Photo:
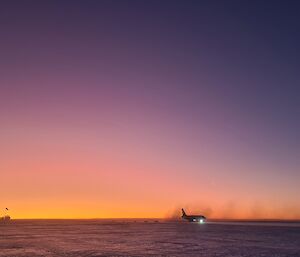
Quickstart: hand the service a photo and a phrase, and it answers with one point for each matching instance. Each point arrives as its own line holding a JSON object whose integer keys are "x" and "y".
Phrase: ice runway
{"x": 74, "y": 238}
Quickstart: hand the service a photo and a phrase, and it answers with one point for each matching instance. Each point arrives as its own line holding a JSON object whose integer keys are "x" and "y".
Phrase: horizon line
{"x": 169, "y": 219}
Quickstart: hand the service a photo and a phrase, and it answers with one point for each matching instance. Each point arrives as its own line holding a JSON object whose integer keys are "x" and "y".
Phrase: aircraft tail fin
{"x": 183, "y": 212}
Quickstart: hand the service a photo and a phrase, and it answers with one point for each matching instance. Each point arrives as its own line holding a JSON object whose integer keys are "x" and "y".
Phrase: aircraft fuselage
{"x": 193, "y": 218}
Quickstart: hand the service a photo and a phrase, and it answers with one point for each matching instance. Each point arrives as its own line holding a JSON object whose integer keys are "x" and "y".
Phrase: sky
{"x": 114, "y": 109}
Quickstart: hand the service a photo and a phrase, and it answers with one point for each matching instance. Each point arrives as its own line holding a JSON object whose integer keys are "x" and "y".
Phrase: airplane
{"x": 193, "y": 218}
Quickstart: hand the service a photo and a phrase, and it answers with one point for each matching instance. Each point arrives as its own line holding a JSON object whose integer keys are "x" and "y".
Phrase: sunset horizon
{"x": 149, "y": 128}
{"x": 138, "y": 109}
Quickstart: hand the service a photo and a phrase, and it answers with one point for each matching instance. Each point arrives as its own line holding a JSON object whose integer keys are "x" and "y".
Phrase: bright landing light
{"x": 201, "y": 221}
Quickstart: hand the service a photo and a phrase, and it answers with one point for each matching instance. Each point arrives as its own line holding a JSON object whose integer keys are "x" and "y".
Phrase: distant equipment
{"x": 5, "y": 217}
{"x": 193, "y": 218}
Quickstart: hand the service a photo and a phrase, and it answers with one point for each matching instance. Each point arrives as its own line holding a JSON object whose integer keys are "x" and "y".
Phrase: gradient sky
{"x": 137, "y": 108}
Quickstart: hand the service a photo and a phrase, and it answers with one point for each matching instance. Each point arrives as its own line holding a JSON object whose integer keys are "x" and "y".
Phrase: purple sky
{"x": 150, "y": 98}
